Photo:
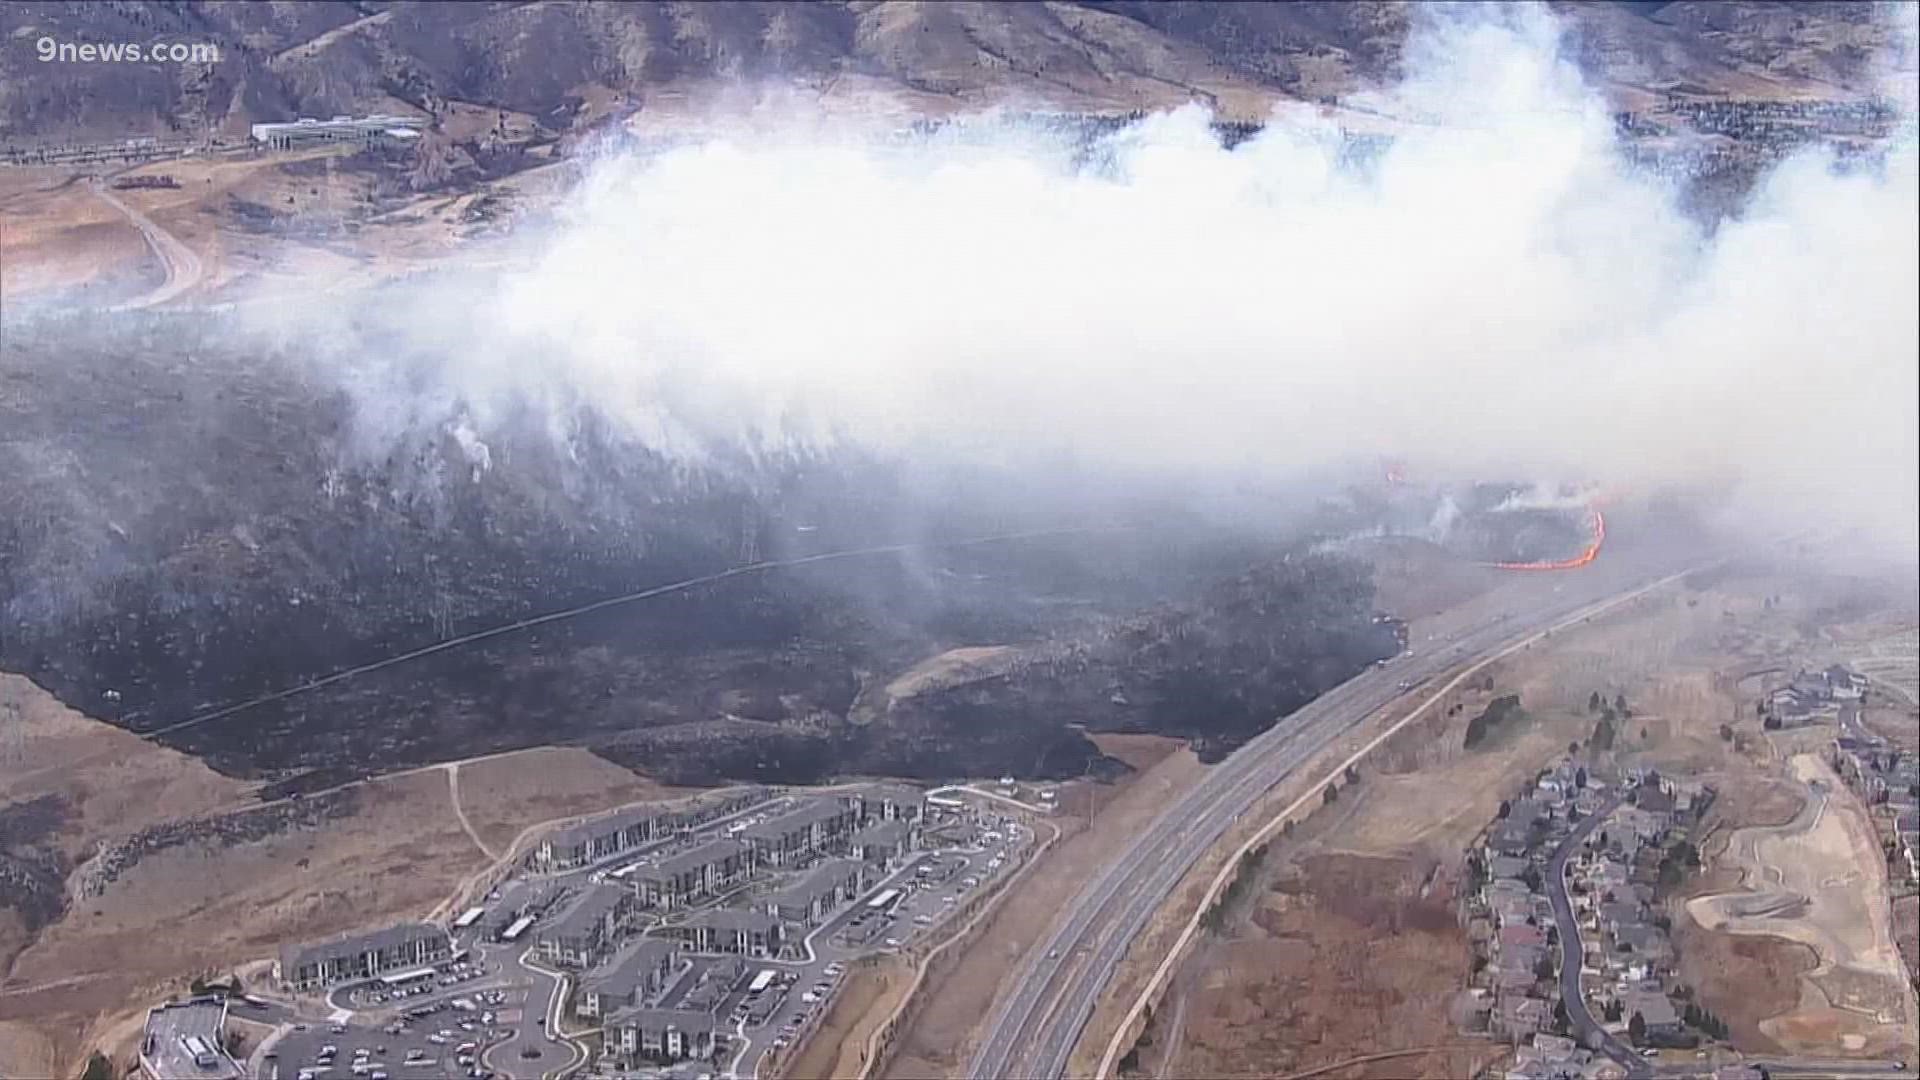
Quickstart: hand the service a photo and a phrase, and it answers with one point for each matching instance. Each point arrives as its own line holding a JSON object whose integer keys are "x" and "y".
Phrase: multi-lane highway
{"x": 1035, "y": 1029}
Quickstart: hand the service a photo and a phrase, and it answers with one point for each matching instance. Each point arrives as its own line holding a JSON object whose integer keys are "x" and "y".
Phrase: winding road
{"x": 1573, "y": 954}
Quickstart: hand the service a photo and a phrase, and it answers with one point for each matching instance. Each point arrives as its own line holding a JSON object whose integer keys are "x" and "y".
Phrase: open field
{"x": 504, "y": 795}
{"x": 1819, "y": 881}
{"x": 1893, "y": 661}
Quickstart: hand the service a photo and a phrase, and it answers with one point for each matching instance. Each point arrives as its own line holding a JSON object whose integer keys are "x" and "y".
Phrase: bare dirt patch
{"x": 504, "y": 795}
{"x": 838, "y": 1048}
{"x": 1819, "y": 881}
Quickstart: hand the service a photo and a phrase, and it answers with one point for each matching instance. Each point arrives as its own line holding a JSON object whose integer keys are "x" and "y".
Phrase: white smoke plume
{"x": 1499, "y": 295}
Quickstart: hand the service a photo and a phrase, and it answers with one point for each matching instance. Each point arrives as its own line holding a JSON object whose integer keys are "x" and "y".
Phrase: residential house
{"x": 1519, "y": 1018}
{"x": 1642, "y": 941}
{"x": 1656, "y": 1011}
{"x": 1507, "y": 866}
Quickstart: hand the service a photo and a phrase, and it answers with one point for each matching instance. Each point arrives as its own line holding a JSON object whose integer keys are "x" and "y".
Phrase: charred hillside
{"x": 188, "y": 526}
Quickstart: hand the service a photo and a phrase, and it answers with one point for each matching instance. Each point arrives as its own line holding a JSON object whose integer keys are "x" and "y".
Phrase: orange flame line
{"x": 1591, "y": 552}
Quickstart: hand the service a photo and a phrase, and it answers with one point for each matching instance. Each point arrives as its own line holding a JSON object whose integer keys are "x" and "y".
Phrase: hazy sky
{"x": 1499, "y": 296}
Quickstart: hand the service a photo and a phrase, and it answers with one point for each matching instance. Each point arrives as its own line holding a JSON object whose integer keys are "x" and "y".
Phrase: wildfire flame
{"x": 1597, "y": 522}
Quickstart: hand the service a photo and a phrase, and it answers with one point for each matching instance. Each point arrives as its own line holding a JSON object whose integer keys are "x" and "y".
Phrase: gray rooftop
{"x": 829, "y": 878}
{"x": 294, "y": 955}
{"x": 606, "y": 824}
{"x": 810, "y": 813}
{"x": 1654, "y": 1009}
{"x": 734, "y": 919}
{"x": 629, "y": 967}
{"x": 168, "y": 1026}
{"x": 690, "y": 1021}
{"x": 694, "y": 858}
{"x": 588, "y": 910}
{"x": 884, "y": 832}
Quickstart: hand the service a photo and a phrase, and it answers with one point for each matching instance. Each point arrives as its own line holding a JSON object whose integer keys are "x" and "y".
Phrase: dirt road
{"x": 183, "y": 268}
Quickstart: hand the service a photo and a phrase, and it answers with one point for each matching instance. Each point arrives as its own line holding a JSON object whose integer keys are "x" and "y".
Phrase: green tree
{"x": 1593, "y": 701}
{"x": 98, "y": 1067}
{"x": 1332, "y": 795}
{"x": 1620, "y": 704}
{"x": 1637, "y": 1028}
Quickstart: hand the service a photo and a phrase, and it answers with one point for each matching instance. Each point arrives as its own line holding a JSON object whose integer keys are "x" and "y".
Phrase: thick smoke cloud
{"x": 1497, "y": 295}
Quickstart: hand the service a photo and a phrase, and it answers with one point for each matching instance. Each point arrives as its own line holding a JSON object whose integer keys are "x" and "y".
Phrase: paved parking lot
{"x": 441, "y": 1040}
{"x": 451, "y": 980}
{"x": 928, "y": 897}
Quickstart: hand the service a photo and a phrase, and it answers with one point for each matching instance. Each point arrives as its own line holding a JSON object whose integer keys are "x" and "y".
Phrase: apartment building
{"x": 884, "y": 843}
{"x": 660, "y": 1034}
{"x": 631, "y": 977}
{"x": 603, "y": 837}
{"x": 815, "y": 827}
{"x": 361, "y": 956}
{"x": 586, "y": 929}
{"x": 891, "y": 802}
{"x": 692, "y": 875}
{"x": 812, "y": 900}
{"x": 741, "y": 933}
